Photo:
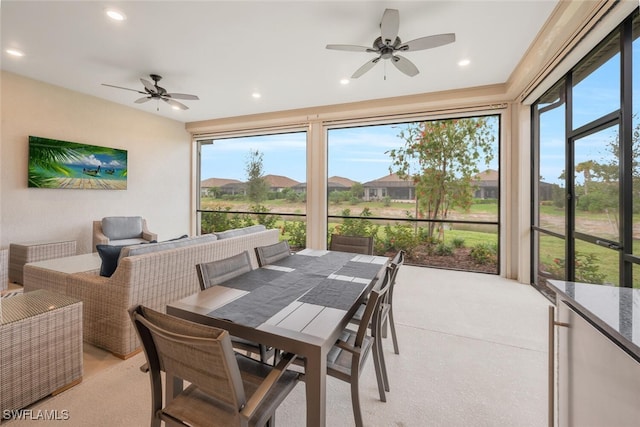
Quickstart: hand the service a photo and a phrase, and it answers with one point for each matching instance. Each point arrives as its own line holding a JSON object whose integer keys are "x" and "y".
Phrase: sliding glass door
{"x": 586, "y": 158}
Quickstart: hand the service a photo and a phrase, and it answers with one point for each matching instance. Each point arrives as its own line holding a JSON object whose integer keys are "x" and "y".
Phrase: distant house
{"x": 486, "y": 184}
{"x": 334, "y": 183}
{"x": 279, "y": 182}
{"x": 224, "y": 186}
{"x": 390, "y": 186}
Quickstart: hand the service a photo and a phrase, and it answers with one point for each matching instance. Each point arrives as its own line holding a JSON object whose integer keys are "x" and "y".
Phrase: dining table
{"x": 299, "y": 304}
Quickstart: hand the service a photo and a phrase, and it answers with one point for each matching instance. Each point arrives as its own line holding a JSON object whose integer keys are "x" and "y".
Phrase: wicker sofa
{"x": 152, "y": 279}
{"x": 4, "y": 269}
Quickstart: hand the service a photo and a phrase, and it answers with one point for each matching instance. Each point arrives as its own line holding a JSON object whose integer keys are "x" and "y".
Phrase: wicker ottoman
{"x": 22, "y": 253}
{"x": 40, "y": 347}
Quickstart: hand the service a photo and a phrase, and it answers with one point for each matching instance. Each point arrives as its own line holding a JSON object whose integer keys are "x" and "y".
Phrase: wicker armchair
{"x": 121, "y": 230}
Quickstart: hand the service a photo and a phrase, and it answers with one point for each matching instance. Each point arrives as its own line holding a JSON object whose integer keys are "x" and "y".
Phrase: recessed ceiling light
{"x": 344, "y": 81}
{"x": 116, "y": 15}
{"x": 14, "y": 52}
{"x": 256, "y": 95}
{"x": 175, "y": 108}
{"x": 464, "y": 62}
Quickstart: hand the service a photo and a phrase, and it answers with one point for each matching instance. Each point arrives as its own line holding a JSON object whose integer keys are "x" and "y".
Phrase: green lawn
{"x": 598, "y": 263}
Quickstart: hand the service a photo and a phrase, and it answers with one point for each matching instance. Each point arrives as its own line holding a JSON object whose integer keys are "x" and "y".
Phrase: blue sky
{"x": 357, "y": 153}
{"x": 595, "y": 96}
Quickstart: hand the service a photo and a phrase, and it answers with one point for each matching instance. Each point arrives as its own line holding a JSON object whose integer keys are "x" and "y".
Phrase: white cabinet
{"x": 597, "y": 382}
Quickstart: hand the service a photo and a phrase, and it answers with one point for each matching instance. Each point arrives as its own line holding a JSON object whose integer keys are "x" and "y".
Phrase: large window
{"x": 428, "y": 187}
{"x": 586, "y": 168}
{"x": 254, "y": 180}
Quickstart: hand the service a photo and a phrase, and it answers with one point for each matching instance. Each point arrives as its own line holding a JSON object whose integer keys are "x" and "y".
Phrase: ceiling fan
{"x": 388, "y": 44}
{"x": 153, "y": 91}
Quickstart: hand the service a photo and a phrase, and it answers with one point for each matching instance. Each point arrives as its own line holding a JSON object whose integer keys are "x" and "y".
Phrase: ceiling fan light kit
{"x": 153, "y": 91}
{"x": 388, "y": 44}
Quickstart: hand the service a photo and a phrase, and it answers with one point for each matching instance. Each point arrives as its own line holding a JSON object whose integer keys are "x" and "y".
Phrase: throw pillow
{"x": 109, "y": 256}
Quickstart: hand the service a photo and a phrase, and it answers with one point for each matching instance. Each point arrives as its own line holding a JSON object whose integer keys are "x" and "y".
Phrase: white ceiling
{"x": 223, "y": 51}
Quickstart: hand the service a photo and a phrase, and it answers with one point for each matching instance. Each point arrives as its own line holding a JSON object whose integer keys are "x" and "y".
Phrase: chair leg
{"x": 383, "y": 332}
{"x": 263, "y": 353}
{"x": 383, "y": 366}
{"x": 378, "y": 354}
{"x": 276, "y": 356}
{"x": 380, "y": 375}
{"x": 393, "y": 331}
{"x": 355, "y": 397}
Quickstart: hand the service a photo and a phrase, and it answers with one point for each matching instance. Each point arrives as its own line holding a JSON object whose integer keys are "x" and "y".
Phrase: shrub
{"x": 268, "y": 221}
{"x": 296, "y": 233}
{"x": 458, "y": 242}
{"x": 357, "y": 226}
{"x": 219, "y": 220}
{"x": 400, "y": 236}
{"x": 443, "y": 249}
{"x": 485, "y": 253}
{"x": 586, "y": 268}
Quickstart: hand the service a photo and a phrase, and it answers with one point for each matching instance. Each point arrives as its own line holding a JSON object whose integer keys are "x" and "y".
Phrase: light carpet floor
{"x": 472, "y": 353}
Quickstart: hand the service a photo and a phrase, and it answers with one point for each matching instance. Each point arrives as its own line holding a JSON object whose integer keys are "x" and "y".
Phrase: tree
{"x": 257, "y": 187}
{"x": 442, "y": 157}
{"x": 357, "y": 190}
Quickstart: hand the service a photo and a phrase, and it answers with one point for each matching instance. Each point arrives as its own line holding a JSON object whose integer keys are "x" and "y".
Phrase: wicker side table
{"x": 40, "y": 347}
{"x": 22, "y": 253}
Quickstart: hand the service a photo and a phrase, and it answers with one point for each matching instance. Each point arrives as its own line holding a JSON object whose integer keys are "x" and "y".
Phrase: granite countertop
{"x": 615, "y": 310}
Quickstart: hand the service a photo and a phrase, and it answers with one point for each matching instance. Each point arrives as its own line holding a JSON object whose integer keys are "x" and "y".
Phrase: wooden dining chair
{"x": 386, "y": 313}
{"x": 387, "y": 306}
{"x": 216, "y": 273}
{"x": 226, "y": 388}
{"x": 271, "y": 253}
{"x": 346, "y": 359}
{"x": 355, "y": 244}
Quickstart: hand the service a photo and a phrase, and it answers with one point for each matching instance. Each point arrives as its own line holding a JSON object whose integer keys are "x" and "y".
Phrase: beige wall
{"x": 159, "y": 159}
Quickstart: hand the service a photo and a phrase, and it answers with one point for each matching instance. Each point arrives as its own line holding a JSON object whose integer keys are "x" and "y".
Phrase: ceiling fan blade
{"x": 350, "y": 48}
{"x": 175, "y": 103}
{"x": 389, "y": 25}
{"x": 428, "y": 42}
{"x": 142, "y": 100}
{"x": 150, "y": 86}
{"x": 404, "y": 65}
{"x": 182, "y": 96}
{"x": 366, "y": 67}
{"x": 125, "y": 88}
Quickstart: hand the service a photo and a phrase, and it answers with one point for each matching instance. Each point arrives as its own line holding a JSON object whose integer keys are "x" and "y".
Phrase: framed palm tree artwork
{"x": 71, "y": 165}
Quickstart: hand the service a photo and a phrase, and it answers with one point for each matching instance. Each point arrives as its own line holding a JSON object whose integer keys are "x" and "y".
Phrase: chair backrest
{"x": 372, "y": 310}
{"x": 355, "y": 244}
{"x": 200, "y": 354}
{"x": 272, "y": 253}
{"x": 216, "y": 272}
{"x": 395, "y": 265}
